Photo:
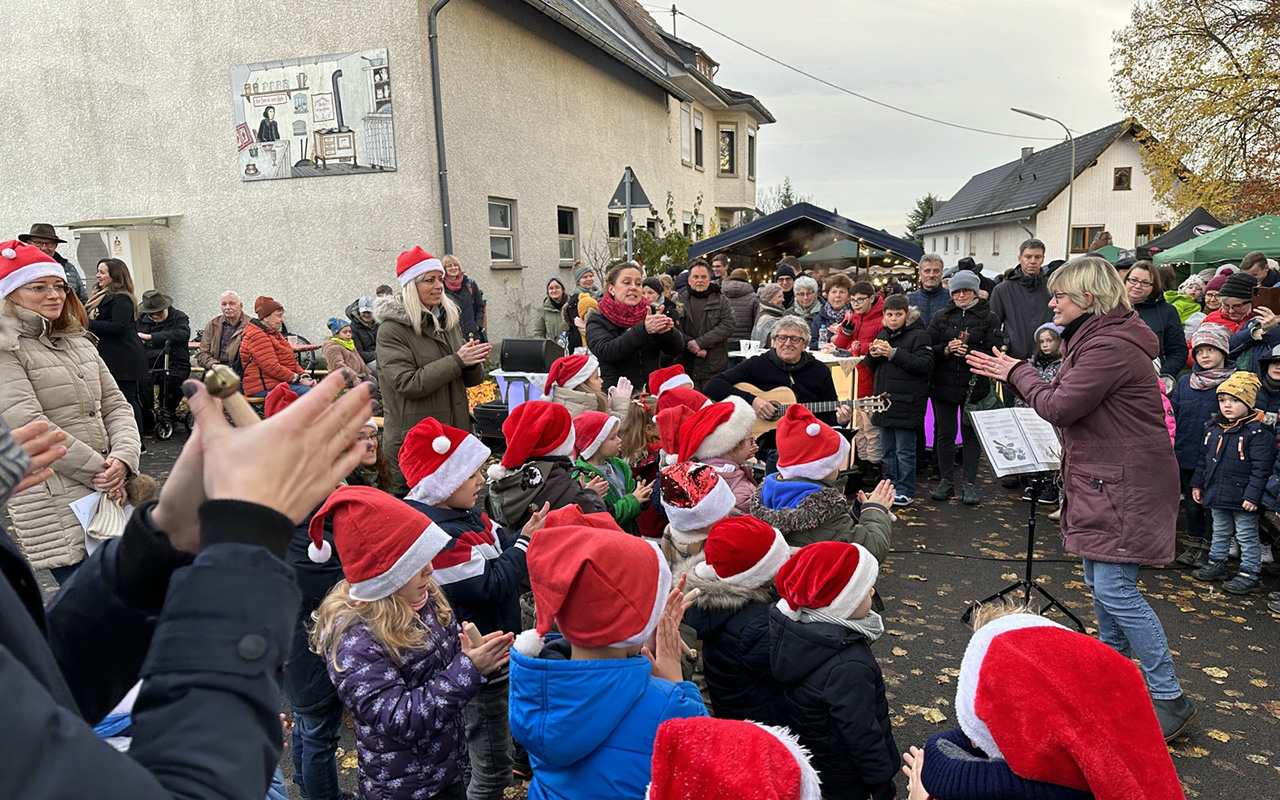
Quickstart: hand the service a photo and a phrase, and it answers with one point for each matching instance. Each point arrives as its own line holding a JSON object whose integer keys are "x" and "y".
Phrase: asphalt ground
{"x": 948, "y": 555}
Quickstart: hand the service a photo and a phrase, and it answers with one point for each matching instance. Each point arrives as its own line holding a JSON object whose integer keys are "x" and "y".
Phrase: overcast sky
{"x": 965, "y": 62}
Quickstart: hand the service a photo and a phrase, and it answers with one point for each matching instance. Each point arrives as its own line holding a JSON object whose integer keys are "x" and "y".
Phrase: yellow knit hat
{"x": 1241, "y": 385}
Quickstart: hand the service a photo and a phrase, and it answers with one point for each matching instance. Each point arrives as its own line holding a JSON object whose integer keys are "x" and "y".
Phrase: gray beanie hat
{"x": 579, "y": 272}
{"x": 964, "y": 279}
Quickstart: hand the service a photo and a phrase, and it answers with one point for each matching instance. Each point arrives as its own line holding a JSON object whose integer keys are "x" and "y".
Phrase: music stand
{"x": 1026, "y": 585}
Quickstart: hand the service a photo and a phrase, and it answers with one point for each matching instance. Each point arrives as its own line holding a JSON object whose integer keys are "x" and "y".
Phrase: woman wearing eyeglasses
{"x": 50, "y": 371}
{"x": 1143, "y": 286}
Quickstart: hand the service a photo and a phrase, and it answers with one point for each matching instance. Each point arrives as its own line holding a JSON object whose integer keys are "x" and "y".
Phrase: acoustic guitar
{"x": 782, "y": 397}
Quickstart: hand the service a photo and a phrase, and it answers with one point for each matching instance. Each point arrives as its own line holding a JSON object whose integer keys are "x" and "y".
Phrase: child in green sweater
{"x": 597, "y": 444}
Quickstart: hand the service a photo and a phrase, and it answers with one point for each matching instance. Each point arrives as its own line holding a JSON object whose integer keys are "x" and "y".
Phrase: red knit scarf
{"x": 622, "y": 314}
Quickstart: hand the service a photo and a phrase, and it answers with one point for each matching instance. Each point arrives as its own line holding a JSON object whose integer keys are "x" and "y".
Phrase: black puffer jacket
{"x": 742, "y": 297}
{"x": 733, "y": 623}
{"x": 904, "y": 375}
{"x": 365, "y": 335}
{"x": 1162, "y": 318}
{"x": 836, "y": 704}
{"x": 951, "y": 373}
{"x": 630, "y": 353}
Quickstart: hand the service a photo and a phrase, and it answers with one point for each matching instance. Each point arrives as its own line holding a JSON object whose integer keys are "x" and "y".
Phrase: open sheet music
{"x": 1017, "y": 440}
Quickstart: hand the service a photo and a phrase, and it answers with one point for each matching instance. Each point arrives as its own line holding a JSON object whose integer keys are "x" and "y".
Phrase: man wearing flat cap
{"x": 163, "y": 329}
{"x": 43, "y": 236}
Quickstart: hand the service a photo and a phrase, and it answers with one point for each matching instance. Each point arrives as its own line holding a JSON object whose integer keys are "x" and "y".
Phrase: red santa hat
{"x": 536, "y": 428}
{"x": 415, "y": 263}
{"x": 600, "y": 586}
{"x": 703, "y": 758}
{"x": 570, "y": 372}
{"x": 668, "y": 378}
{"x": 833, "y": 577}
{"x": 669, "y": 422}
{"x": 682, "y": 396}
{"x": 278, "y": 399}
{"x": 1063, "y": 708}
{"x": 436, "y": 459}
{"x": 808, "y": 447}
{"x": 744, "y": 551}
{"x": 381, "y": 541}
{"x": 590, "y": 430}
{"x": 714, "y": 430}
{"x": 21, "y": 264}
{"x": 695, "y": 497}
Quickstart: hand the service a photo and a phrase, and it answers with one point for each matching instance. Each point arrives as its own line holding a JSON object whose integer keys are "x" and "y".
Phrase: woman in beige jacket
{"x": 50, "y": 370}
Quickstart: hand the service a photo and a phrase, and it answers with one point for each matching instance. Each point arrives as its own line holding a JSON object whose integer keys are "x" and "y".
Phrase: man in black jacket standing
{"x": 193, "y": 600}
{"x": 1021, "y": 301}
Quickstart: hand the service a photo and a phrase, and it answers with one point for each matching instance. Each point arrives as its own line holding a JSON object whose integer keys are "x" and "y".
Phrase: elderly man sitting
{"x": 164, "y": 330}
{"x": 221, "y": 338}
{"x": 788, "y": 365}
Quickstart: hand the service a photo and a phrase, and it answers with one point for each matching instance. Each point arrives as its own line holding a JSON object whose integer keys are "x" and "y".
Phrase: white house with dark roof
{"x": 998, "y": 209}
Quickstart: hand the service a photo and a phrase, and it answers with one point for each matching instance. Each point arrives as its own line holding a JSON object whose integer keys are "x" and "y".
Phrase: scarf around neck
{"x": 705, "y": 292}
{"x": 622, "y": 314}
{"x": 871, "y": 626}
{"x": 1205, "y": 379}
{"x": 454, "y": 286}
{"x": 350, "y": 344}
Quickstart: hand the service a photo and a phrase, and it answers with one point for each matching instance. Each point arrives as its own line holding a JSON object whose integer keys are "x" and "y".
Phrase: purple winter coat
{"x": 1119, "y": 475}
{"x": 408, "y": 719}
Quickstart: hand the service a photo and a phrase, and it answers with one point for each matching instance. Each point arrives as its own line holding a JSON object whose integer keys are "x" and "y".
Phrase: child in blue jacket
{"x": 1194, "y": 401}
{"x": 1239, "y": 454}
{"x": 587, "y": 705}
{"x": 481, "y": 571}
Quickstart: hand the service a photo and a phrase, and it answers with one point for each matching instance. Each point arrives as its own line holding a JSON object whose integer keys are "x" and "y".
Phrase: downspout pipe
{"x": 433, "y": 35}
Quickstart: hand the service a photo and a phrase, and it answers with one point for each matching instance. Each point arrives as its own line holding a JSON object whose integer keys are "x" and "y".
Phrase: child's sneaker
{"x": 1267, "y": 557}
{"x": 1212, "y": 571}
{"x": 1273, "y": 602}
{"x": 902, "y": 500}
{"x": 1195, "y": 554}
{"x": 1234, "y": 552}
{"x": 1242, "y": 583}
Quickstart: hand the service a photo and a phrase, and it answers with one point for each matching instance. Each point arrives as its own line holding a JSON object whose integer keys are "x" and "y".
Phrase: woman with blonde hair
{"x": 42, "y": 341}
{"x": 425, "y": 362}
{"x": 112, "y": 310}
{"x": 1120, "y": 479}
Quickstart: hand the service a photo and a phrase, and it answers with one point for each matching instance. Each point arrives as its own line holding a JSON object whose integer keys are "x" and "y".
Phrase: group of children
{"x": 419, "y": 638}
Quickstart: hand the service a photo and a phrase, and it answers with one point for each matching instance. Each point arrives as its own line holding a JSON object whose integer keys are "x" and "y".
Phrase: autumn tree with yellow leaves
{"x": 1203, "y": 78}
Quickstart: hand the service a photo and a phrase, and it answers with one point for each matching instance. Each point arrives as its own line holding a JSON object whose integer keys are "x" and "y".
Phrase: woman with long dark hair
{"x": 627, "y": 335}
{"x": 550, "y": 322}
{"x": 112, "y": 310}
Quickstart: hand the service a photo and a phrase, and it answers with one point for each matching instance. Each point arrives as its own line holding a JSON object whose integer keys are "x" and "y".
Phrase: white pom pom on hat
{"x": 440, "y": 444}
{"x": 319, "y": 554}
{"x": 813, "y": 429}
{"x": 9, "y": 252}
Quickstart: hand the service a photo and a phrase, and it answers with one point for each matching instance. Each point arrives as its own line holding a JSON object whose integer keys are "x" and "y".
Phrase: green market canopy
{"x": 1228, "y": 244}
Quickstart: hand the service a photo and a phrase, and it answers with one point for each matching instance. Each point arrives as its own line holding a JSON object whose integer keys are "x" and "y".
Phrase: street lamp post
{"x": 1071, "y": 172}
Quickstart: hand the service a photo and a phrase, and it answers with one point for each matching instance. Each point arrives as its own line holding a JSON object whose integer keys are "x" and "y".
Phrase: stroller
{"x": 165, "y": 420}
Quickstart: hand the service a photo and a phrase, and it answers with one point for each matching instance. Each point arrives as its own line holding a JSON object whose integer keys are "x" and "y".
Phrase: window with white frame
{"x": 567, "y": 229}
{"x": 946, "y": 240}
{"x": 751, "y": 155}
{"x": 686, "y": 142}
{"x": 728, "y": 149}
{"x": 502, "y": 230}
{"x": 697, "y": 139}
{"x": 686, "y": 220}
{"x": 995, "y": 243}
{"x": 933, "y": 248}
{"x": 973, "y": 245}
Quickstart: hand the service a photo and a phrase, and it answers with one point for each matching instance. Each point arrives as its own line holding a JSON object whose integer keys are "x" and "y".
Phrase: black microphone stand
{"x": 1026, "y": 585}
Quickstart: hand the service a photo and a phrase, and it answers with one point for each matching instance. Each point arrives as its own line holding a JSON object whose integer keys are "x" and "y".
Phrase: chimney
{"x": 1026, "y": 152}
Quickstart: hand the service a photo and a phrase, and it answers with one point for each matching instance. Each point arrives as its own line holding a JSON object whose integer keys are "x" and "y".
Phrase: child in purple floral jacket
{"x": 393, "y": 648}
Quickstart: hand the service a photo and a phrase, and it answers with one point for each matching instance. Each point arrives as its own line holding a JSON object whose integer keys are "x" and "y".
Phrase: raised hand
{"x": 537, "y": 521}
{"x": 490, "y": 656}
{"x": 598, "y": 485}
{"x": 643, "y": 491}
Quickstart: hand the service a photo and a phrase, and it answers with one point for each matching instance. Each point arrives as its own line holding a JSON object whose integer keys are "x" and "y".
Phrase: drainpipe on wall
{"x": 433, "y": 34}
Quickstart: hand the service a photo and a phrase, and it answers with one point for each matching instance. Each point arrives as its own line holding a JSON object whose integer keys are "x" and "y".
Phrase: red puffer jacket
{"x": 862, "y": 328}
{"x": 267, "y": 358}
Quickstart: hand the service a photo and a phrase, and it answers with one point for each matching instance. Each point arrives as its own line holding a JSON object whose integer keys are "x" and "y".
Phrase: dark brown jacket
{"x": 1119, "y": 475}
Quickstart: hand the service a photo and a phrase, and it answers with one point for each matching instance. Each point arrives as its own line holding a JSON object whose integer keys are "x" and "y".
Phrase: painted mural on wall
{"x": 313, "y": 116}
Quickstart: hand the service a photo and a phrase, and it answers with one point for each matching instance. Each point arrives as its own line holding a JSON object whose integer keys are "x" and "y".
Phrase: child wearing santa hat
{"x": 823, "y": 629}
{"x": 574, "y": 382}
{"x": 1023, "y": 676}
{"x": 587, "y": 704}
{"x": 694, "y": 497}
{"x": 393, "y": 647}
{"x": 719, "y": 435}
{"x": 701, "y": 758}
{"x": 536, "y": 469}
{"x": 730, "y": 616}
{"x": 642, "y": 450}
{"x": 802, "y": 499}
{"x": 598, "y": 444}
{"x": 481, "y": 570}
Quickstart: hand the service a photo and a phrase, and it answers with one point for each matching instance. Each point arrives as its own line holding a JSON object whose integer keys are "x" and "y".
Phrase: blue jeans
{"x": 489, "y": 740}
{"x": 1243, "y": 527}
{"x": 899, "y": 459}
{"x": 315, "y": 741}
{"x": 1127, "y": 624}
{"x": 297, "y": 388}
{"x": 277, "y": 790}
